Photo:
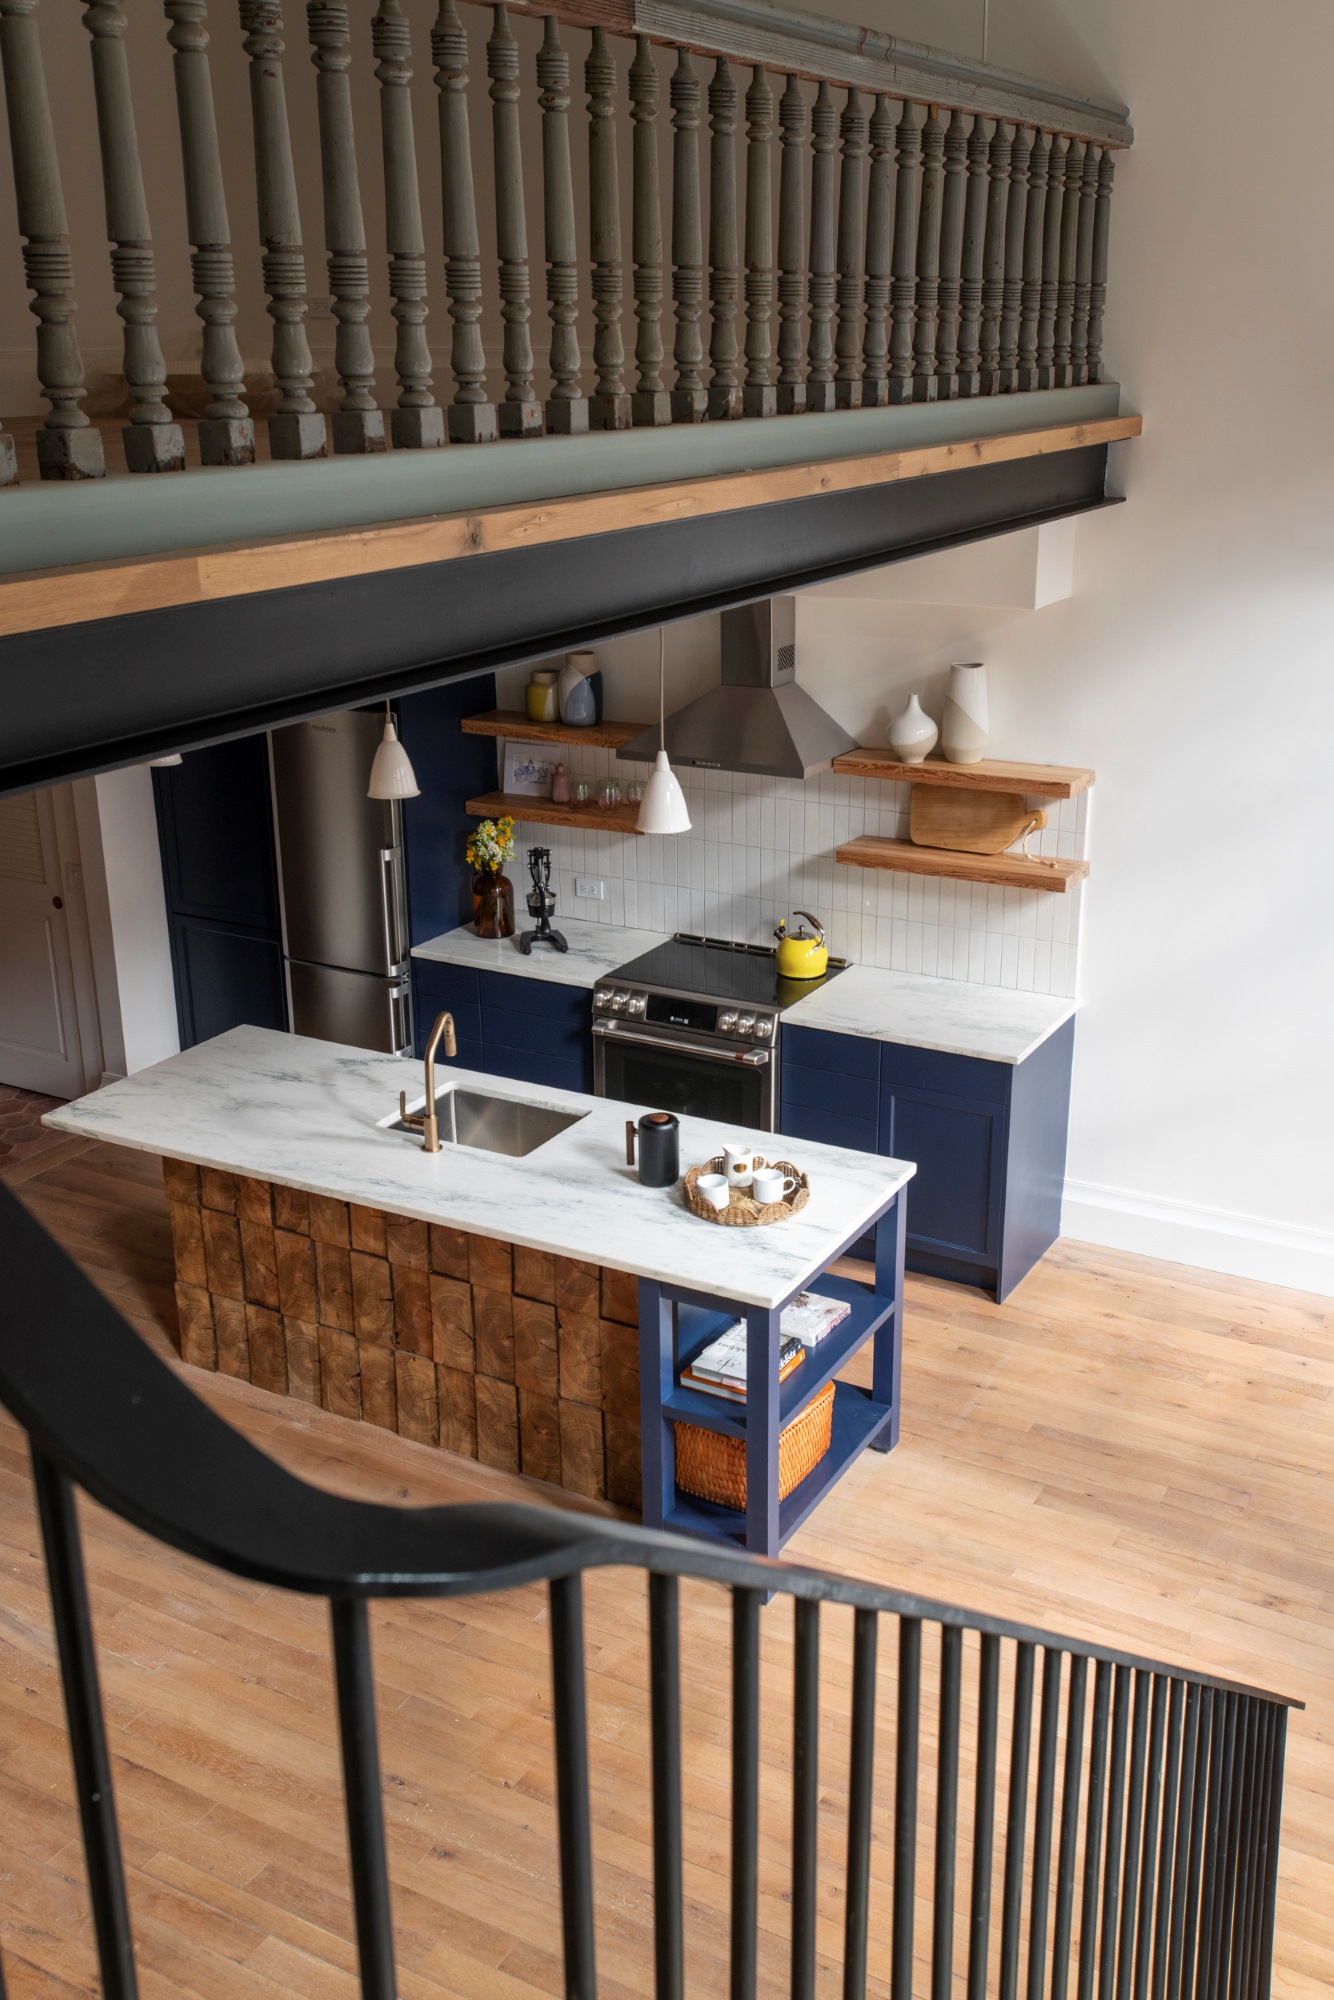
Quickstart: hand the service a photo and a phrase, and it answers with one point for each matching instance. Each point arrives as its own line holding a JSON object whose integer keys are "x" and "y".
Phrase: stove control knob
{"x": 637, "y": 1005}
{"x": 602, "y": 999}
{"x": 727, "y": 1022}
{"x": 745, "y": 1024}
{"x": 620, "y": 1000}
{"x": 764, "y": 1026}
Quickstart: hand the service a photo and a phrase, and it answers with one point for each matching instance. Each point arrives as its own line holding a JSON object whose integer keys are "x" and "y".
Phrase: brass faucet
{"x": 427, "y": 1123}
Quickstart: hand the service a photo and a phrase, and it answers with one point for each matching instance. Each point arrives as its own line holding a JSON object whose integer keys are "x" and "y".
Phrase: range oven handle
{"x": 752, "y": 1058}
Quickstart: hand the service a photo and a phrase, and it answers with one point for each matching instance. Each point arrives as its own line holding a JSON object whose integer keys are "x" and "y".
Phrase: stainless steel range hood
{"x": 759, "y": 720}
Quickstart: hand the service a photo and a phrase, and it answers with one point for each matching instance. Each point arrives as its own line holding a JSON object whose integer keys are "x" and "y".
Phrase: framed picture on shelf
{"x": 527, "y": 769}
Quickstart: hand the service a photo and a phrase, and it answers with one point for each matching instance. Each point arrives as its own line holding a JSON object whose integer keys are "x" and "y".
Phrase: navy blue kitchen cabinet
{"x": 215, "y": 832}
{"x": 988, "y": 1139}
{"x": 532, "y": 1029}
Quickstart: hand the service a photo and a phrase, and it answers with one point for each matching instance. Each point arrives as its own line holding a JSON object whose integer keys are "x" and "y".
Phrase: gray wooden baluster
{"x": 1051, "y": 264}
{"x": 610, "y": 408}
{"x": 1013, "y": 281}
{"x": 472, "y": 419}
{"x": 296, "y": 428}
{"x": 690, "y": 399}
{"x": 68, "y": 447}
{"x": 520, "y": 412}
{"x": 903, "y": 291}
{"x": 650, "y": 403}
{"x": 993, "y": 257}
{"x": 153, "y": 439}
{"x": 851, "y": 253}
{"x": 792, "y": 125}
{"x": 951, "y": 256}
{"x": 9, "y": 461}
{"x": 925, "y": 386}
{"x": 358, "y": 425}
{"x": 760, "y": 397}
{"x": 1079, "y": 331}
{"x": 1062, "y": 372}
{"x": 1030, "y": 301}
{"x": 1102, "y": 218}
{"x": 418, "y": 421}
{"x": 567, "y": 405}
{"x": 824, "y": 133}
{"x": 226, "y": 433}
{"x": 879, "y": 257}
{"x": 725, "y": 398}
{"x": 974, "y": 242}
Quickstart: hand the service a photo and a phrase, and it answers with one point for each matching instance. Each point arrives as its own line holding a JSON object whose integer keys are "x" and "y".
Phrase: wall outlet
{"x": 588, "y": 886}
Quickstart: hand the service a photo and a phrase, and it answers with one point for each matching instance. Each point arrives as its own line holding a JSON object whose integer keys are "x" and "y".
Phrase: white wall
{"x": 127, "y": 919}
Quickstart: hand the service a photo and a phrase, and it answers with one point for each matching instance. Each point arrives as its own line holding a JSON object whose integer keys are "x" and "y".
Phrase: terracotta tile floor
{"x": 22, "y": 1133}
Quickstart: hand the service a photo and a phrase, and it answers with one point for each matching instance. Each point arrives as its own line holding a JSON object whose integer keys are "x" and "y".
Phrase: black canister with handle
{"x": 659, "y": 1148}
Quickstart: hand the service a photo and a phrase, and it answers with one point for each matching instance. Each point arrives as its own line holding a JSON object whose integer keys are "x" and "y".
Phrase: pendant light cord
{"x": 662, "y": 687}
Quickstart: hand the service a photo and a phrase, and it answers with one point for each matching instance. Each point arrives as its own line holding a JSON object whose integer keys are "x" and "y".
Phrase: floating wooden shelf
{"x": 512, "y": 722}
{"x": 1047, "y": 781}
{"x": 1004, "y": 871}
{"x": 543, "y": 812}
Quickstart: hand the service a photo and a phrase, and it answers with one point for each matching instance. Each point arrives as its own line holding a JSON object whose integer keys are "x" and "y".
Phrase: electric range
{"x": 693, "y": 1027}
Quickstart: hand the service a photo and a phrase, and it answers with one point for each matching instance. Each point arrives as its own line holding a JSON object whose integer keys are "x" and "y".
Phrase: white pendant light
{"x": 663, "y": 808}
{"x": 392, "y": 775}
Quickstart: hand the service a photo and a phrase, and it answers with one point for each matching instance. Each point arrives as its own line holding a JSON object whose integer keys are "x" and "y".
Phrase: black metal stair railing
{"x": 1129, "y": 1850}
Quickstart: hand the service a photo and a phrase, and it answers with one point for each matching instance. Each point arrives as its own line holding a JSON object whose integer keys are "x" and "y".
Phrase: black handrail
{"x": 1180, "y": 1841}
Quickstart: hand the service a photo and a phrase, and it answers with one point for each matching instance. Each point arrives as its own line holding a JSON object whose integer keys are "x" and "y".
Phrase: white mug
{"x": 714, "y": 1188}
{"x": 771, "y": 1185}
{"x": 740, "y": 1165}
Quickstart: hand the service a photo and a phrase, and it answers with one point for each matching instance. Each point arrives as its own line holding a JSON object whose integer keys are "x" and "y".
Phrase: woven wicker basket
{"x": 714, "y": 1467}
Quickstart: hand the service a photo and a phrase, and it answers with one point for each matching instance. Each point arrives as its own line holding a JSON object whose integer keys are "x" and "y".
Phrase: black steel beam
{"x": 82, "y": 698}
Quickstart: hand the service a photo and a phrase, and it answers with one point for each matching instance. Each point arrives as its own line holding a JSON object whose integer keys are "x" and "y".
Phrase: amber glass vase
{"x": 492, "y": 904}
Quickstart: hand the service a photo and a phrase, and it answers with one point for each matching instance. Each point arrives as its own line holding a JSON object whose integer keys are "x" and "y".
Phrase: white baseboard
{"x": 1212, "y": 1239}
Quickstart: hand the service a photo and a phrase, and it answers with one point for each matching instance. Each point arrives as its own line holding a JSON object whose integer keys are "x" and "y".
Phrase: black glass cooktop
{"x": 712, "y": 969}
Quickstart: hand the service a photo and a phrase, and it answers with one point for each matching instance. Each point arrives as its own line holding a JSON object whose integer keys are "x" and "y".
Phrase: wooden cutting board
{"x": 970, "y": 822}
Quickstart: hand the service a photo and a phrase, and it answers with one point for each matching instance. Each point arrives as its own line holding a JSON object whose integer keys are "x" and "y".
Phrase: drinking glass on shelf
{"x": 634, "y": 792}
{"x": 581, "y": 793}
{"x": 609, "y": 793}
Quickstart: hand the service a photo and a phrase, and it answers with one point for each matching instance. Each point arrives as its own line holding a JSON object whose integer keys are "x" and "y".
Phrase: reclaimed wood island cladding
{"x": 524, "y": 1361}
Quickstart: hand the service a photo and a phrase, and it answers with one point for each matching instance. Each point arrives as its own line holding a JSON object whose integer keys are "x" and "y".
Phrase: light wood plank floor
{"x": 1126, "y": 1451}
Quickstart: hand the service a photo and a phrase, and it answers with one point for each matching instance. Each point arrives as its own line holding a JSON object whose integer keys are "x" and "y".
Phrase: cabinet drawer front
{"x": 543, "y": 1034}
{"x": 534, "y": 1066}
{"x": 822, "y": 1089}
{"x": 954, "y": 1200}
{"x": 545, "y": 999}
{"x": 952, "y": 1076}
{"x": 829, "y": 1128}
{"x": 848, "y": 1055}
{"x": 436, "y": 988}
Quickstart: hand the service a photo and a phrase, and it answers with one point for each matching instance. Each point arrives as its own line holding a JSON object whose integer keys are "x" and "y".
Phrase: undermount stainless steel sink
{"x": 496, "y": 1124}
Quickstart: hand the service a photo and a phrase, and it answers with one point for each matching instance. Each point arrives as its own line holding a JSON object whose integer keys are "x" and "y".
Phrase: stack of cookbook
{"x": 720, "y": 1368}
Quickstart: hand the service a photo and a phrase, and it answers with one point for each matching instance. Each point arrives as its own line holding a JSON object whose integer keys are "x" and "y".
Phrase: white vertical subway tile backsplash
{"x": 761, "y": 847}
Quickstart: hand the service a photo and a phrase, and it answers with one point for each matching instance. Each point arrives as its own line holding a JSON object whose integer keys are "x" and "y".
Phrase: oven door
{"x": 736, "y": 1087}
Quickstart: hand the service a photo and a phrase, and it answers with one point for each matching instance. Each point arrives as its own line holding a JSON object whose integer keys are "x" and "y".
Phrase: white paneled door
{"x": 39, "y": 1031}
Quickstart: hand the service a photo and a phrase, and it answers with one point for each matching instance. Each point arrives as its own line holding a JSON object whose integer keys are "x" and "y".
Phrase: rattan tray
{"x": 742, "y": 1210}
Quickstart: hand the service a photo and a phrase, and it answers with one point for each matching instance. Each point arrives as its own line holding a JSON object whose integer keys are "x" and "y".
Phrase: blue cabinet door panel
{"x": 958, "y": 1144}
{"x": 849, "y": 1055}
{"x": 825, "y": 1090}
{"x": 829, "y": 1128}
{"x": 437, "y": 988}
{"x": 532, "y": 1066}
{"x": 555, "y": 1035}
{"x": 952, "y": 1076}
{"x": 226, "y": 978}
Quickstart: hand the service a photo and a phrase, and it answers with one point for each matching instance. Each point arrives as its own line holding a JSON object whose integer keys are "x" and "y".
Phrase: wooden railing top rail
{"x": 794, "y": 42}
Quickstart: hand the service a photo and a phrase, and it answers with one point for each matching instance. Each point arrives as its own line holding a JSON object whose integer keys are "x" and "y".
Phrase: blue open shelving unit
{"x": 674, "y": 1324}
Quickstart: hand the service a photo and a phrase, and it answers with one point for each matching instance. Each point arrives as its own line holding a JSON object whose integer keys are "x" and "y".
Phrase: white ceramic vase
{"x": 913, "y": 734}
{"x": 963, "y": 725}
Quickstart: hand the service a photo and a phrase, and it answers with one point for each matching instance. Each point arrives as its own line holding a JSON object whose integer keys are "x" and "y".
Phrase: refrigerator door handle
{"x": 392, "y": 907}
{"x": 400, "y": 1019}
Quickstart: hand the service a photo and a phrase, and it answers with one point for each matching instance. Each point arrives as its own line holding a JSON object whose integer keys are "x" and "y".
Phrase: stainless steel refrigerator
{"x": 340, "y": 870}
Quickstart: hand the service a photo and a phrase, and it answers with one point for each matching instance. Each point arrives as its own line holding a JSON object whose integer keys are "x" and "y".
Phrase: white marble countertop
{"x": 595, "y": 950}
{"x": 317, "y": 1116}
{"x": 990, "y": 1022}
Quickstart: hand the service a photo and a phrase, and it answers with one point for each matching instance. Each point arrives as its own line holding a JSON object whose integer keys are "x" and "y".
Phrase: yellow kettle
{"x": 801, "y": 956}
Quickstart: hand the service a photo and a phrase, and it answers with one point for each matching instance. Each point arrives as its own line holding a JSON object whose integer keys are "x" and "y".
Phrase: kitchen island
{"x": 534, "y": 1311}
